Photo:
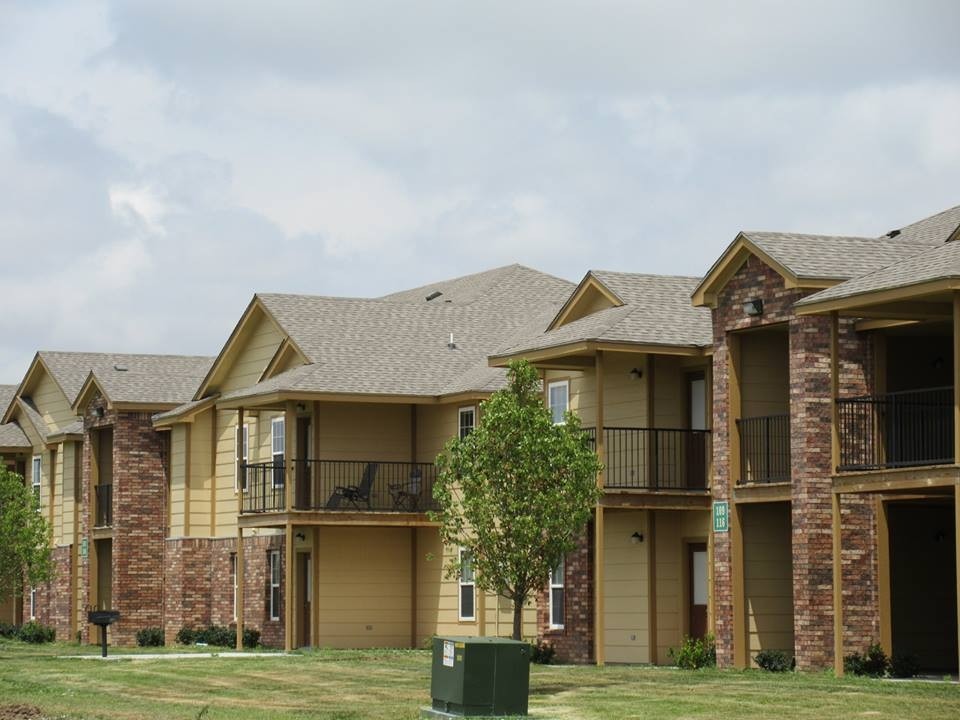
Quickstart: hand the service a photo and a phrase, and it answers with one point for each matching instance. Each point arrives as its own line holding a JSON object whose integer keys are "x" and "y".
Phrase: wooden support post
{"x": 213, "y": 472}
{"x": 289, "y": 452}
{"x": 598, "y": 574}
{"x": 837, "y": 588}
{"x": 239, "y": 580}
{"x": 75, "y": 604}
{"x": 956, "y": 379}
{"x": 741, "y": 636}
{"x": 315, "y": 590}
{"x": 956, "y": 552}
{"x": 289, "y": 593}
{"x": 315, "y": 466}
{"x": 240, "y": 470}
{"x": 652, "y": 574}
{"x": 187, "y": 457}
{"x": 883, "y": 576}
{"x": 413, "y": 582}
{"x": 834, "y": 391}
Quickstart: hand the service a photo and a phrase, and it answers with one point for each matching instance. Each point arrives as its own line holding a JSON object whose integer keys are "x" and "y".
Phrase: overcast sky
{"x": 162, "y": 161}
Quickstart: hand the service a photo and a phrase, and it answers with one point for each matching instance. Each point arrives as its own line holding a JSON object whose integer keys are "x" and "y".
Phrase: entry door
{"x": 696, "y": 453}
{"x": 698, "y": 589}
{"x": 304, "y": 596}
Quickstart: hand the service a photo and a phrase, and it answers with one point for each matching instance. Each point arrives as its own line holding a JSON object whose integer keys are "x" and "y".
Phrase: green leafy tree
{"x": 517, "y": 491}
{"x": 25, "y": 554}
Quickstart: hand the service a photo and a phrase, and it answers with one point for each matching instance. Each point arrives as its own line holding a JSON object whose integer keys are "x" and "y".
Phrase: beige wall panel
{"x": 626, "y": 588}
{"x": 625, "y": 399}
{"x": 360, "y": 431}
{"x": 200, "y": 440}
{"x": 765, "y": 373}
{"x": 768, "y": 570}
{"x": 178, "y": 460}
{"x": 58, "y": 500}
{"x": 436, "y": 426}
{"x": 254, "y": 356}
{"x": 583, "y": 397}
{"x": 68, "y": 490}
{"x": 51, "y": 403}
{"x": 364, "y": 588}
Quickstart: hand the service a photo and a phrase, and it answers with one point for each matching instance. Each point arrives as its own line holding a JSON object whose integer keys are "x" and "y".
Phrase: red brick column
{"x": 574, "y": 643}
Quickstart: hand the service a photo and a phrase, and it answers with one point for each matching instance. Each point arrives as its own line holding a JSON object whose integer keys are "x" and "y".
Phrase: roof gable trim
{"x": 590, "y": 285}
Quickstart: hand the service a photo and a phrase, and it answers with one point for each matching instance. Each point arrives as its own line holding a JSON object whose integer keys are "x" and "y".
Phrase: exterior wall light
{"x": 636, "y": 538}
{"x": 636, "y": 374}
{"x": 98, "y": 412}
{"x": 753, "y": 307}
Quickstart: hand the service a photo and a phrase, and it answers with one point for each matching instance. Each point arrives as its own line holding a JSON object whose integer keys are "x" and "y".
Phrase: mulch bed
{"x": 20, "y": 712}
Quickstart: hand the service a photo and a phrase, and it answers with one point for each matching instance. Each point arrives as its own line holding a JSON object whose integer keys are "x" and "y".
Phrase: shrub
{"x": 542, "y": 652}
{"x": 695, "y": 653}
{"x": 218, "y": 636}
{"x": 186, "y": 636}
{"x": 150, "y": 637}
{"x": 9, "y": 630}
{"x": 34, "y": 632}
{"x": 251, "y": 638}
{"x": 774, "y": 660}
{"x": 873, "y": 663}
{"x": 904, "y": 666}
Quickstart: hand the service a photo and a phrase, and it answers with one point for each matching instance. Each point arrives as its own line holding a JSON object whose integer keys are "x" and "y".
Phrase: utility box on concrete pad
{"x": 479, "y": 676}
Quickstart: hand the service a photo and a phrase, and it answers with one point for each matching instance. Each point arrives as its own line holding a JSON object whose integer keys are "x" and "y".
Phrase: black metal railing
{"x": 898, "y": 429}
{"x": 764, "y": 449}
{"x": 340, "y": 485}
{"x": 104, "y": 499}
{"x": 654, "y": 458}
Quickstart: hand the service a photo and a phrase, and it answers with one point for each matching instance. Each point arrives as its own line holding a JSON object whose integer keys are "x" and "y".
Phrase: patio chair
{"x": 355, "y": 494}
{"x": 406, "y": 496}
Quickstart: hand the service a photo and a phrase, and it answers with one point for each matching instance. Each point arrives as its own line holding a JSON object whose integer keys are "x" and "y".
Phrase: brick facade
{"x": 574, "y": 643}
{"x": 810, "y": 451}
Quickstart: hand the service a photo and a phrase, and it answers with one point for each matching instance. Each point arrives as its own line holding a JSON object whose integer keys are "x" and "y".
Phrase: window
{"x": 33, "y": 603}
{"x": 556, "y": 596}
{"x": 233, "y": 575}
{"x": 274, "y": 584}
{"x": 278, "y": 445}
{"x": 558, "y": 397}
{"x": 243, "y": 459}
{"x": 467, "y": 586}
{"x": 36, "y": 478}
{"x": 467, "y": 421}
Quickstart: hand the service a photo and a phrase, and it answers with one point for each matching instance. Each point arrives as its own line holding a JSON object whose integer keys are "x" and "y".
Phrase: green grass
{"x": 393, "y": 684}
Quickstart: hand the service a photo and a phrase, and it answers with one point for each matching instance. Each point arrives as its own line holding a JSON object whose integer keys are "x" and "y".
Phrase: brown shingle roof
{"x": 11, "y": 434}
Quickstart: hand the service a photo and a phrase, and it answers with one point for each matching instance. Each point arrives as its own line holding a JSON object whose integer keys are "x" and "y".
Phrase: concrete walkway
{"x": 172, "y": 656}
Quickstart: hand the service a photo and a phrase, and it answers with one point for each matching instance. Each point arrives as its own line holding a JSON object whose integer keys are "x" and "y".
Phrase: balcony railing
{"x": 654, "y": 459}
{"x": 340, "y": 486}
{"x": 764, "y": 449}
{"x": 898, "y": 429}
{"x": 104, "y": 502}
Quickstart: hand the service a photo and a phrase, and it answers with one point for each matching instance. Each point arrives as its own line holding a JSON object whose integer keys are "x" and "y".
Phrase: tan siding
{"x": 768, "y": 572}
{"x": 364, "y": 432}
{"x": 674, "y": 530}
{"x": 178, "y": 462}
{"x": 765, "y": 373}
{"x": 254, "y": 355}
{"x": 626, "y": 588}
{"x": 51, "y": 402}
{"x": 436, "y": 426}
{"x": 68, "y": 490}
{"x": 200, "y": 443}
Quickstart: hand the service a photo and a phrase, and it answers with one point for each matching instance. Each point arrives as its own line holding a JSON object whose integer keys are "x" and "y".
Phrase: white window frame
{"x": 274, "y": 424}
{"x": 472, "y": 411}
{"x": 554, "y": 585}
{"x": 275, "y": 574}
{"x": 565, "y": 384}
{"x": 36, "y": 479}
{"x": 233, "y": 572}
{"x": 33, "y": 603}
{"x": 246, "y": 454}
{"x": 461, "y": 584}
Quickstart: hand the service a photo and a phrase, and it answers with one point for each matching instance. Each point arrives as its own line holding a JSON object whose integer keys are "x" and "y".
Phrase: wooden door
{"x": 697, "y": 569}
{"x": 304, "y": 596}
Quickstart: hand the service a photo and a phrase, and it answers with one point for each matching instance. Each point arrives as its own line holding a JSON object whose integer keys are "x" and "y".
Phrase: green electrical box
{"x": 480, "y": 676}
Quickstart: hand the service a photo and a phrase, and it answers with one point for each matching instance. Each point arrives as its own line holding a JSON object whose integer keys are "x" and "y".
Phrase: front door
{"x": 304, "y": 594}
{"x": 695, "y": 454}
{"x": 698, "y": 589}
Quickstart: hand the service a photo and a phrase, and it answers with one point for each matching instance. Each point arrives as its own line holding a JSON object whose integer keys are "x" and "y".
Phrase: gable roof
{"x": 656, "y": 311}
{"x": 939, "y": 260}
{"x": 11, "y": 434}
{"x": 398, "y": 344}
{"x": 134, "y": 379}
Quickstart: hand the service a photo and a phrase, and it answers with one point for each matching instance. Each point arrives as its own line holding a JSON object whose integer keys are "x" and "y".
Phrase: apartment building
{"x": 835, "y": 443}
{"x": 631, "y": 357}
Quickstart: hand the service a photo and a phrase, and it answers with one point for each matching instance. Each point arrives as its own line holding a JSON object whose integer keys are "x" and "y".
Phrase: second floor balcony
{"x": 104, "y": 505}
{"x": 340, "y": 486}
{"x": 764, "y": 449}
{"x": 654, "y": 459}
{"x": 896, "y": 430}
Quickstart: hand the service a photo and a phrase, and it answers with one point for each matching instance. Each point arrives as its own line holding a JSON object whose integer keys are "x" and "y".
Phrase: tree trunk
{"x": 517, "y": 619}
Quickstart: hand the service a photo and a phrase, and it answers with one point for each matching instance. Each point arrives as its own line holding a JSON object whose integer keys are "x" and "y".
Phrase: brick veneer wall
{"x": 574, "y": 643}
{"x": 810, "y": 417}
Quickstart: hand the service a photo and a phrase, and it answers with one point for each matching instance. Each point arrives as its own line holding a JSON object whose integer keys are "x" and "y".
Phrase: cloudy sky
{"x": 162, "y": 161}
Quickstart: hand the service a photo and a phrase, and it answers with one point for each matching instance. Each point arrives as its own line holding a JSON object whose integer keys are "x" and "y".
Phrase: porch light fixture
{"x": 753, "y": 307}
{"x": 636, "y": 538}
{"x": 301, "y": 537}
{"x": 636, "y": 374}
{"x": 98, "y": 412}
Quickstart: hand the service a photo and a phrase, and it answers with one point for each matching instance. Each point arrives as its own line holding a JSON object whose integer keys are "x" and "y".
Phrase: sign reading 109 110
{"x": 721, "y": 516}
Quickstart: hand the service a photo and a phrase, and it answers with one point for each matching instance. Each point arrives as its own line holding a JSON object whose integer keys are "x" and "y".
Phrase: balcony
{"x": 340, "y": 486}
{"x": 764, "y": 449}
{"x": 896, "y": 430}
{"x": 654, "y": 459}
{"x": 104, "y": 505}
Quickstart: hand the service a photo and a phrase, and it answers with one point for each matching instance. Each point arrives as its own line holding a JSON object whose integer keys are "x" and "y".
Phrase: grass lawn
{"x": 393, "y": 684}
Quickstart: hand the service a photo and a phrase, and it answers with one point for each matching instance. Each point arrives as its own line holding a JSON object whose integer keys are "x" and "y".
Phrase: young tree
{"x": 517, "y": 491}
{"x": 25, "y": 554}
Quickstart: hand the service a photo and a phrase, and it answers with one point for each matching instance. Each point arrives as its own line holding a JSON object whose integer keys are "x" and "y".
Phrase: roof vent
{"x": 893, "y": 233}
{"x": 434, "y": 295}
{"x": 120, "y": 368}
{"x": 451, "y": 344}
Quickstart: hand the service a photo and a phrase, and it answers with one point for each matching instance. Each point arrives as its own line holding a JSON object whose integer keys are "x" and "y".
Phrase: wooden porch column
{"x": 187, "y": 472}
{"x": 598, "y": 579}
{"x": 883, "y": 576}
{"x": 289, "y": 452}
{"x": 652, "y": 586}
{"x": 289, "y": 596}
{"x": 741, "y": 655}
{"x": 315, "y": 590}
{"x": 956, "y": 378}
{"x": 837, "y": 589}
{"x": 239, "y": 581}
{"x": 956, "y": 551}
{"x": 240, "y": 471}
{"x": 834, "y": 391}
